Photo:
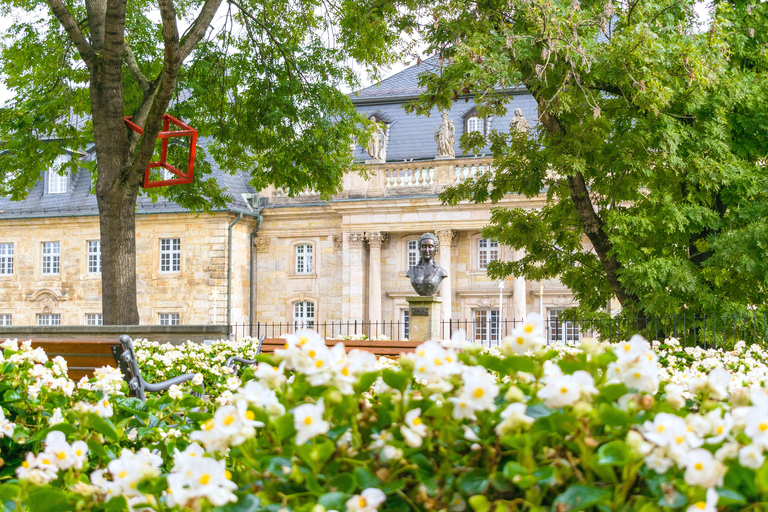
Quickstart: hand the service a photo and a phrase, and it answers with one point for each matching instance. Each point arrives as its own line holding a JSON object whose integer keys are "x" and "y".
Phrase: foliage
{"x": 649, "y": 145}
{"x": 601, "y": 427}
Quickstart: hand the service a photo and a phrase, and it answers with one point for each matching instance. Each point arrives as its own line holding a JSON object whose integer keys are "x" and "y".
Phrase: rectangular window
{"x": 486, "y": 326}
{"x": 94, "y": 257}
{"x": 50, "y": 260}
{"x": 49, "y": 319}
{"x": 57, "y": 184}
{"x": 6, "y": 259}
{"x": 304, "y": 259}
{"x": 474, "y": 124}
{"x": 170, "y": 255}
{"x": 93, "y": 319}
{"x": 405, "y": 322}
{"x": 6, "y": 320}
{"x": 412, "y": 254}
{"x": 303, "y": 315}
{"x": 487, "y": 250}
{"x": 560, "y": 331}
{"x": 168, "y": 318}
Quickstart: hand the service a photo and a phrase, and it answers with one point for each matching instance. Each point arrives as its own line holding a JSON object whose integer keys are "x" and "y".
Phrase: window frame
{"x": 96, "y": 256}
{"x": 304, "y": 259}
{"x": 51, "y": 319}
{"x": 6, "y": 319}
{"x": 558, "y": 331}
{"x": 173, "y": 255}
{"x": 411, "y": 251}
{"x": 472, "y": 115}
{"x": 169, "y": 318}
{"x": 486, "y": 330}
{"x": 492, "y": 246}
{"x": 307, "y": 317}
{"x": 55, "y": 259}
{"x": 7, "y": 258}
{"x": 405, "y": 323}
{"x": 94, "y": 319}
{"x": 60, "y": 180}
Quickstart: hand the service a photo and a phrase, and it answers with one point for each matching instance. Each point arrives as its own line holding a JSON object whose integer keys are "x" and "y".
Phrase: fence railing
{"x": 691, "y": 330}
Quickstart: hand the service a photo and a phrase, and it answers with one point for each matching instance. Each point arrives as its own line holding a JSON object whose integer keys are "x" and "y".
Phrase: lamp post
{"x": 501, "y": 313}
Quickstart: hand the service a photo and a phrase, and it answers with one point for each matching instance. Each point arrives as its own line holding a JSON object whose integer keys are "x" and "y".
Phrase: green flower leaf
{"x": 396, "y": 380}
{"x": 615, "y": 453}
{"x": 479, "y": 503}
{"x": 333, "y": 500}
{"x": 344, "y": 482}
{"x": 474, "y": 482}
{"x": 48, "y": 499}
{"x": 101, "y": 425}
{"x": 365, "y": 478}
{"x": 580, "y": 497}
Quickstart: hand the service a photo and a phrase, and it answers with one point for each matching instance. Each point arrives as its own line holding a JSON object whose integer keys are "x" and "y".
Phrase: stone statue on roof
{"x": 445, "y": 137}
{"x": 376, "y": 148}
{"x": 519, "y": 123}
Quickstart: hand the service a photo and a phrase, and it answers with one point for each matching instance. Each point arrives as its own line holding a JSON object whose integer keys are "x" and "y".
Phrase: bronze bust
{"x": 426, "y": 276}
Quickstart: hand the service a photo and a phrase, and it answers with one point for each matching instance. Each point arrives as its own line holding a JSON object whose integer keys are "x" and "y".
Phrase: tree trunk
{"x": 117, "y": 220}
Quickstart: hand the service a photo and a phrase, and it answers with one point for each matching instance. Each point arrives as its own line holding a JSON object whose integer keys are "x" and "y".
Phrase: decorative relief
{"x": 376, "y": 239}
{"x": 485, "y": 302}
{"x": 445, "y": 236}
{"x": 338, "y": 242}
{"x": 262, "y": 244}
{"x": 47, "y": 302}
{"x": 356, "y": 239}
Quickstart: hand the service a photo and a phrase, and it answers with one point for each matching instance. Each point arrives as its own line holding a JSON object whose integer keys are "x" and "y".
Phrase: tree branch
{"x": 73, "y": 31}
{"x": 198, "y": 28}
{"x": 97, "y": 19}
{"x": 133, "y": 66}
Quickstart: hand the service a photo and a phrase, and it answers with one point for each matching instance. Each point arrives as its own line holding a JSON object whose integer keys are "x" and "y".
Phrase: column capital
{"x": 356, "y": 239}
{"x": 445, "y": 236}
{"x": 376, "y": 239}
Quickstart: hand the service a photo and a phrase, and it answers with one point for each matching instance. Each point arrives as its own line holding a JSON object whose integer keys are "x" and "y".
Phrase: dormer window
{"x": 474, "y": 123}
{"x": 58, "y": 183}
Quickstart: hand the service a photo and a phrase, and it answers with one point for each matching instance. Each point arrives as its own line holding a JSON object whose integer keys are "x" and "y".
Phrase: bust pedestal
{"x": 424, "y": 318}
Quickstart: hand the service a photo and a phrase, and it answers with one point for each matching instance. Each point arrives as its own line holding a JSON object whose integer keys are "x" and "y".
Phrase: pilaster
{"x": 354, "y": 277}
{"x": 374, "y": 275}
{"x": 445, "y": 237}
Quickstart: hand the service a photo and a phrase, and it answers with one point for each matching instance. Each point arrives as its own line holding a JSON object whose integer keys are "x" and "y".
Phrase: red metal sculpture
{"x": 183, "y": 131}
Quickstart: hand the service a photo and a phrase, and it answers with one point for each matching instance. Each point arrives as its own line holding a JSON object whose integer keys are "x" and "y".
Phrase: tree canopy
{"x": 260, "y": 79}
{"x": 650, "y": 144}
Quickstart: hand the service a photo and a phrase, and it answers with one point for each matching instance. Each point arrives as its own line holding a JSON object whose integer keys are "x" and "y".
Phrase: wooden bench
{"x": 379, "y": 348}
{"x": 82, "y": 356}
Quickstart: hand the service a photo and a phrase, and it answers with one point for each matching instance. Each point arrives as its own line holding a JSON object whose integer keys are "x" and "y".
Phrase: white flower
{"x": 367, "y": 501}
{"x": 674, "y": 394}
{"x": 414, "y": 431}
{"x": 702, "y": 469}
{"x": 562, "y": 390}
{"x": 273, "y": 377}
{"x": 308, "y": 421}
{"x": 6, "y": 426}
{"x": 103, "y": 407}
{"x": 175, "y": 392}
{"x": 233, "y": 383}
{"x": 513, "y": 418}
{"x": 717, "y": 382}
{"x": 380, "y": 439}
{"x": 709, "y": 506}
{"x": 390, "y": 452}
{"x": 728, "y": 451}
{"x": 658, "y": 461}
{"x": 664, "y": 429}
{"x": 194, "y": 477}
{"x": 525, "y": 338}
{"x": 197, "y": 380}
{"x": 751, "y": 456}
{"x": 756, "y": 425}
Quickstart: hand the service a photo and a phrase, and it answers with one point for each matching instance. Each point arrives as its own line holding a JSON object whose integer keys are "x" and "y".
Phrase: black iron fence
{"x": 691, "y": 330}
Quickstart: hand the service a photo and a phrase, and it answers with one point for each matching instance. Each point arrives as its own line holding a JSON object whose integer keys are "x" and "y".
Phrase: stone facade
{"x": 73, "y": 292}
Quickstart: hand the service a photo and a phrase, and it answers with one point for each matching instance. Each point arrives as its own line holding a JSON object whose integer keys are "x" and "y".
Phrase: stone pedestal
{"x": 424, "y": 318}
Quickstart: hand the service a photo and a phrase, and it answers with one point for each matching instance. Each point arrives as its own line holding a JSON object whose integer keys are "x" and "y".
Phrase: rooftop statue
{"x": 519, "y": 123}
{"x": 426, "y": 276}
{"x": 377, "y": 143}
{"x": 445, "y": 137}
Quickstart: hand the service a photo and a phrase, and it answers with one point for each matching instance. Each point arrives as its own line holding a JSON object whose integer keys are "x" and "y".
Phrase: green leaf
{"x": 284, "y": 427}
{"x": 479, "y": 503}
{"x": 98, "y": 449}
{"x": 613, "y": 392}
{"x": 67, "y": 428}
{"x": 474, "y": 482}
{"x": 101, "y": 425}
{"x": 11, "y": 396}
{"x": 580, "y": 497}
{"x": 153, "y": 486}
{"x": 521, "y": 364}
{"x": 396, "y": 380}
{"x": 9, "y": 492}
{"x": 537, "y": 411}
{"x": 48, "y": 499}
{"x": 730, "y": 497}
{"x": 615, "y": 453}
{"x": 333, "y": 500}
{"x": 344, "y": 482}
{"x": 366, "y": 381}
{"x": 117, "y": 504}
{"x": 244, "y": 503}
{"x": 614, "y": 417}
{"x": 365, "y": 478}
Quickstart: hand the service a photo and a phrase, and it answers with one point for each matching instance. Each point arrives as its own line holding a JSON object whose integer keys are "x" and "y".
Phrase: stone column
{"x": 374, "y": 276}
{"x": 445, "y": 237}
{"x": 354, "y": 298}
{"x": 520, "y": 293}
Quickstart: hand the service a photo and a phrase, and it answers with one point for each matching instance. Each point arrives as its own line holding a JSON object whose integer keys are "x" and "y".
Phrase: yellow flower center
{"x": 417, "y": 421}
{"x": 701, "y": 505}
{"x": 250, "y": 415}
{"x": 421, "y": 353}
{"x": 345, "y": 372}
{"x": 763, "y": 427}
{"x": 627, "y": 347}
{"x": 62, "y": 455}
{"x": 637, "y": 375}
{"x": 228, "y": 474}
{"x": 422, "y": 369}
{"x": 679, "y": 439}
{"x": 438, "y": 361}
{"x": 479, "y": 392}
{"x": 312, "y": 353}
{"x": 287, "y": 345}
{"x": 319, "y": 363}
{"x": 660, "y": 428}
{"x": 122, "y": 474}
{"x": 208, "y": 425}
{"x": 228, "y": 419}
{"x": 303, "y": 340}
{"x": 699, "y": 466}
{"x": 204, "y": 479}
{"x": 25, "y": 464}
{"x": 46, "y": 461}
{"x": 361, "y": 502}
{"x": 563, "y": 390}
{"x": 528, "y": 328}
{"x": 720, "y": 429}
{"x": 308, "y": 420}
{"x": 78, "y": 452}
{"x": 520, "y": 340}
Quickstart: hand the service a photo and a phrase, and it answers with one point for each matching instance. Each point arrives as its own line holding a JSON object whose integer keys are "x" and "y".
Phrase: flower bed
{"x": 634, "y": 426}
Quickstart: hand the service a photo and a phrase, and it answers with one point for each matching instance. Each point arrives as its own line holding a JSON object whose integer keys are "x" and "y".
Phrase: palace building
{"x": 296, "y": 260}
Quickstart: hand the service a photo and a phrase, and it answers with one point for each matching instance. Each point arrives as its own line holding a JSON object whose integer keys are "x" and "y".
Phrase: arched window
{"x": 303, "y": 314}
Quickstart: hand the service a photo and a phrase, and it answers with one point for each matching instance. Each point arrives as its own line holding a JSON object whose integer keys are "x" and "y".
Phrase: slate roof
{"x": 411, "y": 137}
{"x": 78, "y": 200}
